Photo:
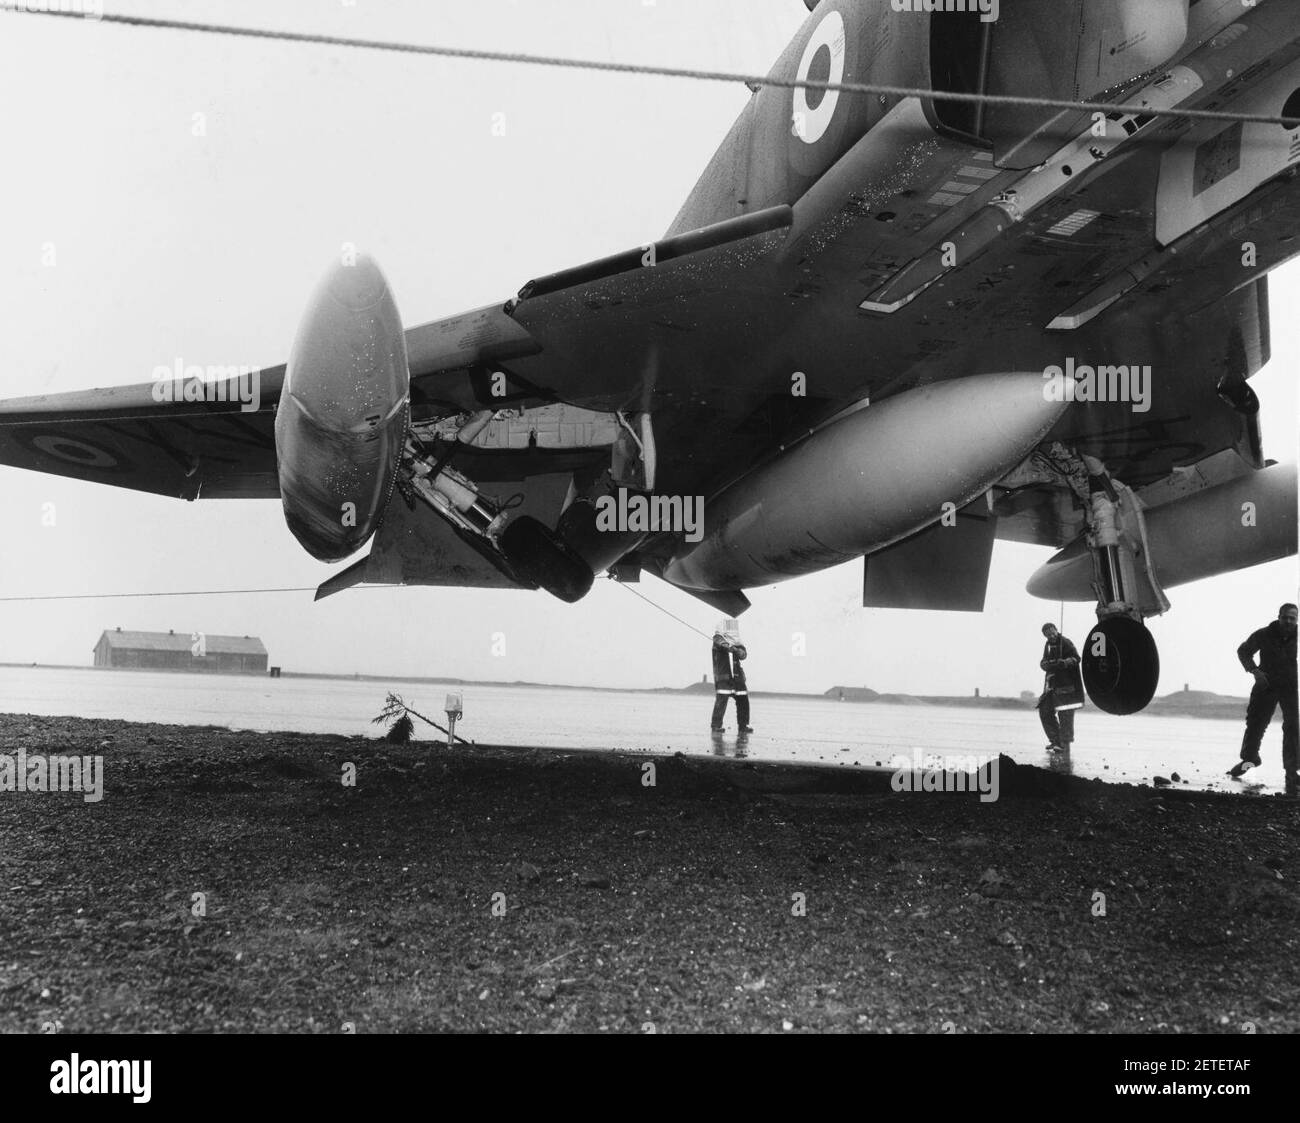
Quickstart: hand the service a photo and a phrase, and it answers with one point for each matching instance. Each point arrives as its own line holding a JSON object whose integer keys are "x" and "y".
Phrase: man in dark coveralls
{"x": 1275, "y": 685}
{"x": 1062, "y": 689}
{"x": 729, "y": 679}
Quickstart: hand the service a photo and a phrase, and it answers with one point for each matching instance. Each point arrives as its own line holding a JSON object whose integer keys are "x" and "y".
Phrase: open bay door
{"x": 1068, "y": 49}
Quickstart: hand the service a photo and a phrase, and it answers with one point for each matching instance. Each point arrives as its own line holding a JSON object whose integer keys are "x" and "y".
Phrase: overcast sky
{"x": 170, "y": 244}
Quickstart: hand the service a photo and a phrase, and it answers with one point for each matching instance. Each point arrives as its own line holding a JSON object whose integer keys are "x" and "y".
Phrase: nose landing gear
{"x": 523, "y": 548}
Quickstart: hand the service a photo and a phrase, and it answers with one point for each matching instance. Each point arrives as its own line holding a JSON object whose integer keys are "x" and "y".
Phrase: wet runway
{"x": 1132, "y": 749}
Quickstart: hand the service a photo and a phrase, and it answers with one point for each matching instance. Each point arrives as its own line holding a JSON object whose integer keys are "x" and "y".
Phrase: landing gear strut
{"x": 521, "y": 547}
{"x": 1121, "y": 665}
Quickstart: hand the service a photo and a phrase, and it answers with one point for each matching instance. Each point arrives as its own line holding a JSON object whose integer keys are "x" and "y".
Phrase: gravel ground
{"x": 727, "y": 896}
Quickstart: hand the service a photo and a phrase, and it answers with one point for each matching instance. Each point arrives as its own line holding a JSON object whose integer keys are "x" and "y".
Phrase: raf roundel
{"x": 72, "y": 451}
{"x": 823, "y": 61}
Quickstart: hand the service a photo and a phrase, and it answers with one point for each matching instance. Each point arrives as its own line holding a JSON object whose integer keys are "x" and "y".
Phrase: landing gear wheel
{"x": 541, "y": 557}
{"x": 1121, "y": 665}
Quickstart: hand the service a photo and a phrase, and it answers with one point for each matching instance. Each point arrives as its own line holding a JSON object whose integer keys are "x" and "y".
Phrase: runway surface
{"x": 1133, "y": 749}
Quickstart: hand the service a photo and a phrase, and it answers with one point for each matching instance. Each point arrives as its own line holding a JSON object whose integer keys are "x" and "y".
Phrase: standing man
{"x": 729, "y": 677}
{"x": 1275, "y": 685}
{"x": 1062, "y": 689}
{"x": 738, "y": 684}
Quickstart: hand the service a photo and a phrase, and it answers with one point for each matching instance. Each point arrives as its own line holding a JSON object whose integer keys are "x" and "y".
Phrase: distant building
{"x": 167, "y": 651}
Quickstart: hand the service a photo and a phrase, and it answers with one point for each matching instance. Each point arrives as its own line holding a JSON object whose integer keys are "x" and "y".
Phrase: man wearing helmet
{"x": 729, "y": 675}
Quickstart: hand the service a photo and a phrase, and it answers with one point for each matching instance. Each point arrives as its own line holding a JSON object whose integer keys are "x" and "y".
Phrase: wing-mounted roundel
{"x": 72, "y": 450}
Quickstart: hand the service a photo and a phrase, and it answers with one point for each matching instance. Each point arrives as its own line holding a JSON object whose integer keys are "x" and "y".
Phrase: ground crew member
{"x": 1275, "y": 685}
{"x": 1062, "y": 689}
{"x": 729, "y": 680}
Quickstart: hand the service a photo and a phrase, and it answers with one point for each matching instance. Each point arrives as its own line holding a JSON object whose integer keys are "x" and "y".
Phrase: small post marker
{"x": 455, "y": 707}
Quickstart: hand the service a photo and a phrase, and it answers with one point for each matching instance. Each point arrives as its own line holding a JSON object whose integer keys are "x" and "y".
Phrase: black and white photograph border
{"x": 534, "y": 516}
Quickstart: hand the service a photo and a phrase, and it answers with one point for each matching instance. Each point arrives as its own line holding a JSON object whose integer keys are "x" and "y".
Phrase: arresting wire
{"x": 753, "y": 81}
{"x": 176, "y": 593}
{"x": 661, "y": 608}
{"x": 253, "y": 592}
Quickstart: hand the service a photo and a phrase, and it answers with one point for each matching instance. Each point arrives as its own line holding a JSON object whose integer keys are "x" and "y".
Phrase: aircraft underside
{"x": 886, "y": 327}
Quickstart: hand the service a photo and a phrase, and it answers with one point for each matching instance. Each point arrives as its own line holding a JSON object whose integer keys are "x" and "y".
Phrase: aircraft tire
{"x": 1121, "y": 665}
{"x": 537, "y": 554}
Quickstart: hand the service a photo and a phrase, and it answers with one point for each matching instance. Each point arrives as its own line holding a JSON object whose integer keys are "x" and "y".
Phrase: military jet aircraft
{"x": 891, "y": 326}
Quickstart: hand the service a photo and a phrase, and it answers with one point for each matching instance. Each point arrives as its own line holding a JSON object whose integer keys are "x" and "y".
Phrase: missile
{"x": 1246, "y": 521}
{"x": 342, "y": 420}
{"x": 867, "y": 480}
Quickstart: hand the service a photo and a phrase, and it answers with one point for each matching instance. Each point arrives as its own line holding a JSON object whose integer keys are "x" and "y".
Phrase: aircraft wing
{"x": 655, "y": 328}
{"x": 125, "y": 437}
{"x": 215, "y": 438}
{"x": 221, "y": 444}
{"x": 739, "y": 338}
